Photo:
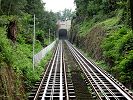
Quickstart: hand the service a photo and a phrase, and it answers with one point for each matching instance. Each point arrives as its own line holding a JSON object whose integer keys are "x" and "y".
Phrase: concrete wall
{"x": 39, "y": 56}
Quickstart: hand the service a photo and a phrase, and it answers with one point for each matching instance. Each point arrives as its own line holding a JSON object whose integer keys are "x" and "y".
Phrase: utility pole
{"x": 49, "y": 36}
{"x": 34, "y": 44}
{"x": 54, "y": 35}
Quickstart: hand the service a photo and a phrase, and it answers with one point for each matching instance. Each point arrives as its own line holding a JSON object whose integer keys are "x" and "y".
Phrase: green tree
{"x": 12, "y": 7}
{"x": 131, "y": 8}
{"x": 67, "y": 14}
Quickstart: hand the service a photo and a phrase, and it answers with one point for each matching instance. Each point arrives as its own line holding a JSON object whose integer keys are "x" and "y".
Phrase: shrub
{"x": 118, "y": 46}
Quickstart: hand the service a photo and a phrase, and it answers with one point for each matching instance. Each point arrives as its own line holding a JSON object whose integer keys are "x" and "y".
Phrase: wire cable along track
{"x": 105, "y": 86}
{"x": 54, "y": 85}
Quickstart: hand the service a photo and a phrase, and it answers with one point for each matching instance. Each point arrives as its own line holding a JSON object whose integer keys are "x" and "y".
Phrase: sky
{"x": 59, "y": 5}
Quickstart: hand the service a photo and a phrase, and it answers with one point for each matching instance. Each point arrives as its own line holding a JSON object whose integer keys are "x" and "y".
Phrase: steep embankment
{"x": 108, "y": 40}
{"x": 11, "y": 85}
{"x": 93, "y": 33}
{"x": 16, "y": 74}
{"x": 92, "y": 41}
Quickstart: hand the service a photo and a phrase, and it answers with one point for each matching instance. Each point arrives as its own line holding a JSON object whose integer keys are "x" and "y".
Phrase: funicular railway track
{"x": 54, "y": 84}
{"x": 57, "y": 85}
{"x": 105, "y": 86}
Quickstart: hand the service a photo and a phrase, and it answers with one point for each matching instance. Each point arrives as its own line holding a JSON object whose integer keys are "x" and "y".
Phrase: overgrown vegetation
{"x": 117, "y": 49}
{"x": 16, "y": 38}
{"x": 105, "y": 29}
{"x": 66, "y": 14}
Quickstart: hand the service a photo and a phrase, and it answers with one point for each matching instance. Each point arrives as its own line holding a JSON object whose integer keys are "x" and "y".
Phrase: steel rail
{"x": 102, "y": 82}
{"x": 54, "y": 60}
{"x": 61, "y": 79}
{"x": 54, "y": 85}
{"x": 56, "y": 69}
{"x": 114, "y": 83}
{"x": 65, "y": 78}
{"x": 124, "y": 93}
{"x": 41, "y": 83}
{"x": 83, "y": 62}
{"x": 52, "y": 91}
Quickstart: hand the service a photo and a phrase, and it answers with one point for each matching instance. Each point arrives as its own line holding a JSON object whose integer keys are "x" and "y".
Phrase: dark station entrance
{"x": 62, "y": 34}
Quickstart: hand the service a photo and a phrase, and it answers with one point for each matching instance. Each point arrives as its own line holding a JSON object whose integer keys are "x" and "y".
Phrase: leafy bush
{"x": 110, "y": 22}
{"x": 125, "y": 68}
{"x": 112, "y": 45}
{"x": 19, "y": 56}
{"x": 118, "y": 46}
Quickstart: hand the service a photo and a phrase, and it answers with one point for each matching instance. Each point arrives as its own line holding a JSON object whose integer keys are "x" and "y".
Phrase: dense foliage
{"x": 66, "y": 14}
{"x": 24, "y": 11}
{"x": 16, "y": 37}
{"x": 105, "y": 29}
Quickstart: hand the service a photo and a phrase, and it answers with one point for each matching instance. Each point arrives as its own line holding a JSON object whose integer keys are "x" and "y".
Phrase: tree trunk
{"x": 131, "y": 7}
{"x": 12, "y": 31}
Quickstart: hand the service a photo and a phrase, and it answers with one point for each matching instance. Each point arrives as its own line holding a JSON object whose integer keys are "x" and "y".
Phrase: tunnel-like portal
{"x": 62, "y": 34}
